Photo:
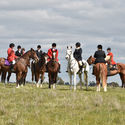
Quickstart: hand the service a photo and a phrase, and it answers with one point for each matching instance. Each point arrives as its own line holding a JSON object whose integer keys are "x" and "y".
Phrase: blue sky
{"x": 90, "y": 22}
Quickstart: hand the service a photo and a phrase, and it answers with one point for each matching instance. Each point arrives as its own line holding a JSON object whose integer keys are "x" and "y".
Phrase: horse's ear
{"x": 71, "y": 47}
{"x": 67, "y": 47}
{"x": 32, "y": 49}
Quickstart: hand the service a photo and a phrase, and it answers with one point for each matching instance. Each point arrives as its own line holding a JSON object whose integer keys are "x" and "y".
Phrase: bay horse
{"x": 21, "y": 66}
{"x": 38, "y": 69}
{"x": 120, "y": 70}
{"x": 73, "y": 69}
{"x": 53, "y": 69}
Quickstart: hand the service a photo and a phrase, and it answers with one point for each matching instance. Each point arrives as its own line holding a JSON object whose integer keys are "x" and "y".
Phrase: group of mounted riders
{"x": 103, "y": 65}
{"x": 100, "y": 56}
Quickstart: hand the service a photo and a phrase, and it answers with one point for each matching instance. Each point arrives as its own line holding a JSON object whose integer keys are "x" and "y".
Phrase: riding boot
{"x": 59, "y": 68}
{"x": 93, "y": 72}
{"x": 80, "y": 69}
{"x": 11, "y": 68}
{"x": 46, "y": 68}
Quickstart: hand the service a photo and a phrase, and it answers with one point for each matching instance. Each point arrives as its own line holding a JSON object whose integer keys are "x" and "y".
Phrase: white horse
{"x": 73, "y": 69}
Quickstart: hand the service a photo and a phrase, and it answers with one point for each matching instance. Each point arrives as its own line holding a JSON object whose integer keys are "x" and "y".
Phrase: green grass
{"x": 35, "y": 106}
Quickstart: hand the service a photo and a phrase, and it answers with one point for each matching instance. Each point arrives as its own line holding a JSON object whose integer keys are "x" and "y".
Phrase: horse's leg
{"x": 70, "y": 75}
{"x": 3, "y": 77}
{"x": 33, "y": 74}
{"x": 86, "y": 79}
{"x": 55, "y": 81}
{"x": 37, "y": 76}
{"x": 24, "y": 78}
{"x": 122, "y": 76}
{"x": 50, "y": 80}
{"x": 105, "y": 83}
{"x": 80, "y": 77}
{"x": 8, "y": 77}
{"x": 74, "y": 81}
{"x": 42, "y": 78}
{"x": 98, "y": 84}
{"x": 18, "y": 79}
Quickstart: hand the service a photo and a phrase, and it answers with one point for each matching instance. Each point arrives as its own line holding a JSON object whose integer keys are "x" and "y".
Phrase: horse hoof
{"x": 41, "y": 86}
{"x": 37, "y": 85}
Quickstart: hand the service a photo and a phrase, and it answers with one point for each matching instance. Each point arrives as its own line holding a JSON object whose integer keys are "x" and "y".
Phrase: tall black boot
{"x": 59, "y": 68}
{"x": 46, "y": 68}
{"x": 11, "y": 68}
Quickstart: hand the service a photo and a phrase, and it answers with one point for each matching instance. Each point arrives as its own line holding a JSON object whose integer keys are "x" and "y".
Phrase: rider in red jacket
{"x": 50, "y": 54}
{"x": 111, "y": 55}
{"x": 11, "y": 55}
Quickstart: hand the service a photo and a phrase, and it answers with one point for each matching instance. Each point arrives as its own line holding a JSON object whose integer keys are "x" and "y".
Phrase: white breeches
{"x": 13, "y": 62}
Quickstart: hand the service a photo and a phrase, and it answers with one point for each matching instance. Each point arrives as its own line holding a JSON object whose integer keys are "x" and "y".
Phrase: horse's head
{"x": 33, "y": 55}
{"x": 91, "y": 60}
{"x": 68, "y": 52}
{"x": 45, "y": 56}
{"x": 54, "y": 55}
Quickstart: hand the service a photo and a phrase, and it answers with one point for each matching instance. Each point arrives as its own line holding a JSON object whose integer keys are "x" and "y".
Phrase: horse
{"x": 38, "y": 69}
{"x": 53, "y": 69}
{"x": 73, "y": 69}
{"x": 120, "y": 70}
{"x": 20, "y": 68}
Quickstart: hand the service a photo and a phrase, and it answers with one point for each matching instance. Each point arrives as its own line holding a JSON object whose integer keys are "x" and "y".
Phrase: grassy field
{"x": 35, "y": 106}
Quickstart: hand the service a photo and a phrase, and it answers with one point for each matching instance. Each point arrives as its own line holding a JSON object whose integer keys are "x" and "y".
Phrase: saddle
{"x": 7, "y": 63}
{"x": 111, "y": 68}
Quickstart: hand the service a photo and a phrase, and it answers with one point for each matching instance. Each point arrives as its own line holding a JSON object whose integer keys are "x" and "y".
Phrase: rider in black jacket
{"x": 39, "y": 51}
{"x": 78, "y": 55}
{"x": 18, "y": 52}
{"x": 100, "y": 55}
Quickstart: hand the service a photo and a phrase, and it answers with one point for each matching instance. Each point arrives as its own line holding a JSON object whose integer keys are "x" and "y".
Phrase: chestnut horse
{"x": 20, "y": 68}
{"x": 53, "y": 69}
{"x": 100, "y": 71}
{"x": 38, "y": 69}
{"x": 120, "y": 70}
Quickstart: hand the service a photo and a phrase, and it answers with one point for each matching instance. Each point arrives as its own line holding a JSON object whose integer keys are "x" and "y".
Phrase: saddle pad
{"x": 7, "y": 63}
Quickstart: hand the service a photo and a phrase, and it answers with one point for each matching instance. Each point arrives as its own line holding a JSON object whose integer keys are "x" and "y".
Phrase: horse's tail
{"x": 102, "y": 74}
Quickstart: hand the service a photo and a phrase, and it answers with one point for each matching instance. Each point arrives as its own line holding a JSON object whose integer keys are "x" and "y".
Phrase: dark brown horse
{"x": 53, "y": 69}
{"x": 120, "y": 70}
{"x": 21, "y": 66}
{"x": 38, "y": 69}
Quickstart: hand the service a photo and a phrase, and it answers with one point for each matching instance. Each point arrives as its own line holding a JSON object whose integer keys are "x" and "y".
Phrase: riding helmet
{"x": 12, "y": 45}
{"x": 39, "y": 47}
{"x": 99, "y": 47}
{"x": 109, "y": 49}
{"x": 78, "y": 44}
{"x": 18, "y": 47}
{"x": 54, "y": 45}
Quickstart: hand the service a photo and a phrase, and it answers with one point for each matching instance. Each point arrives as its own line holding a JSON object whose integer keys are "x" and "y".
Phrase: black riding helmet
{"x": 39, "y": 47}
{"x": 99, "y": 47}
{"x": 109, "y": 49}
{"x": 12, "y": 45}
{"x": 54, "y": 45}
{"x": 78, "y": 44}
{"x": 18, "y": 47}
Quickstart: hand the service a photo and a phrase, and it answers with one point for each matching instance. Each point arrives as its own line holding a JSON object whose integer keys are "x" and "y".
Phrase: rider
{"x": 39, "y": 51}
{"x": 50, "y": 54}
{"x": 22, "y": 51}
{"x": 11, "y": 55}
{"x": 18, "y": 52}
{"x": 113, "y": 63}
{"x": 78, "y": 55}
{"x": 99, "y": 56}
